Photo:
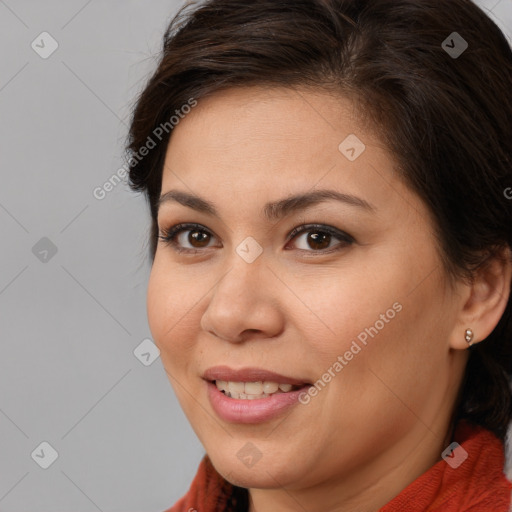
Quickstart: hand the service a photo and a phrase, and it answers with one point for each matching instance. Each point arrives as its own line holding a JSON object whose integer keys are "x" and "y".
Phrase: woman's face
{"x": 359, "y": 304}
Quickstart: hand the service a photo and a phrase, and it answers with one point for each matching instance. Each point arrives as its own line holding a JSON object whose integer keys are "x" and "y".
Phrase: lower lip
{"x": 251, "y": 411}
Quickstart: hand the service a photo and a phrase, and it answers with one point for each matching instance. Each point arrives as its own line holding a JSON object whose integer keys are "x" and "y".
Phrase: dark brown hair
{"x": 447, "y": 119}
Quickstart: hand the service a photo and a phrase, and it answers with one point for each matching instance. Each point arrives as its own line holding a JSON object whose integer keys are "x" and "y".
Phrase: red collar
{"x": 477, "y": 485}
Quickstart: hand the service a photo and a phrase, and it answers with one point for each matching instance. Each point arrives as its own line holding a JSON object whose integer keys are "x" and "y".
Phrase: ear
{"x": 484, "y": 300}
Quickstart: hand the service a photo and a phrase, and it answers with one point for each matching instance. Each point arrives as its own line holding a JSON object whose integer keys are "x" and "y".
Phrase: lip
{"x": 250, "y": 411}
{"x": 249, "y": 375}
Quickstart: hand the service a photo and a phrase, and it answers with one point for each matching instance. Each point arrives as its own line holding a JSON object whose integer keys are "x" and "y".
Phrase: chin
{"x": 252, "y": 478}
{"x": 266, "y": 473}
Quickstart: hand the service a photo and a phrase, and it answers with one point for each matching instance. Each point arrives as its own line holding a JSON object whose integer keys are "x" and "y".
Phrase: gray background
{"x": 71, "y": 321}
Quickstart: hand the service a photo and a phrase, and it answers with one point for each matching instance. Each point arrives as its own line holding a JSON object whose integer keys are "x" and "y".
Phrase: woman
{"x": 331, "y": 251}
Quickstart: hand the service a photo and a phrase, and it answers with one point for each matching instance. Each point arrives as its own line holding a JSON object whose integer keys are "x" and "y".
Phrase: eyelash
{"x": 168, "y": 236}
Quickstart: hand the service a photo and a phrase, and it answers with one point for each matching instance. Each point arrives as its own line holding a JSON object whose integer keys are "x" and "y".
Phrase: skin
{"x": 384, "y": 419}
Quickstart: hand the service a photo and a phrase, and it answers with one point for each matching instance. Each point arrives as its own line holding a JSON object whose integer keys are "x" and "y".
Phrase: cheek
{"x": 377, "y": 314}
{"x": 154, "y": 304}
{"x": 402, "y": 354}
{"x": 344, "y": 307}
{"x": 170, "y": 315}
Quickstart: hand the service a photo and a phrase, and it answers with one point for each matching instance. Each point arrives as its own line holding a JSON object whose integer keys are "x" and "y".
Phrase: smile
{"x": 252, "y": 390}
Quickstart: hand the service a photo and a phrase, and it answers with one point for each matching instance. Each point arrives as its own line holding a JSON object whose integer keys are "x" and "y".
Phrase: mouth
{"x": 254, "y": 390}
{"x": 251, "y": 381}
{"x": 251, "y": 395}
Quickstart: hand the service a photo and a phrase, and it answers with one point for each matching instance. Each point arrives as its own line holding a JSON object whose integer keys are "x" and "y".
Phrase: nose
{"x": 244, "y": 303}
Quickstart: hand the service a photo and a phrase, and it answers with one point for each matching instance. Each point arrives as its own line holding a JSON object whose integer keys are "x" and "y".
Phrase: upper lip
{"x": 249, "y": 375}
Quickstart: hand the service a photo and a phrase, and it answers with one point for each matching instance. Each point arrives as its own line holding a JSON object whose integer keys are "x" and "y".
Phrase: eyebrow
{"x": 272, "y": 210}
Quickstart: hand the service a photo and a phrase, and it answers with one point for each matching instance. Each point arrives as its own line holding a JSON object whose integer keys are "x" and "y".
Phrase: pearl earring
{"x": 469, "y": 337}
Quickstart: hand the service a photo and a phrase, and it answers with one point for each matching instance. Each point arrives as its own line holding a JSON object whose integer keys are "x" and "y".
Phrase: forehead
{"x": 257, "y": 131}
{"x": 252, "y": 141}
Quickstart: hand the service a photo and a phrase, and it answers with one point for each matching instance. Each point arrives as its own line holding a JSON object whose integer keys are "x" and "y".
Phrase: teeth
{"x": 222, "y": 385}
{"x": 235, "y": 387}
{"x": 251, "y": 390}
{"x": 270, "y": 387}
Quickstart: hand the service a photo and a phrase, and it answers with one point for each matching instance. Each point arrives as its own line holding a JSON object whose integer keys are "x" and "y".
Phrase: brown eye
{"x": 192, "y": 238}
{"x": 200, "y": 238}
{"x": 319, "y": 238}
{"x": 193, "y": 235}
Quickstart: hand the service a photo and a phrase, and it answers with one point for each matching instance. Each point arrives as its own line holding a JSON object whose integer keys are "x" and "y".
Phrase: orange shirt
{"x": 477, "y": 485}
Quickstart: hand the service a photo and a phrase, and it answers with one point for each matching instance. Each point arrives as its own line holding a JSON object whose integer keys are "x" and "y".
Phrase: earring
{"x": 469, "y": 337}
